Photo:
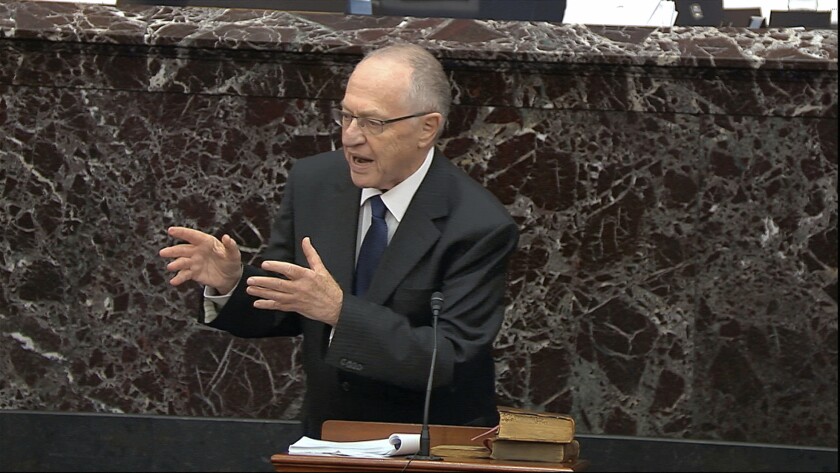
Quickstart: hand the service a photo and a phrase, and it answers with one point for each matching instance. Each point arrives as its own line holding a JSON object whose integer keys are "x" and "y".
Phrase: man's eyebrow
{"x": 363, "y": 113}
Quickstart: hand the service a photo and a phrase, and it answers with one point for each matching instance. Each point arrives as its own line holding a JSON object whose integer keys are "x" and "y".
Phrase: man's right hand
{"x": 204, "y": 259}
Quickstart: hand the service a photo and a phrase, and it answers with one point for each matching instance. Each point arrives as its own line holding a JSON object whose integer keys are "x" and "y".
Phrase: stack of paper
{"x": 396, "y": 444}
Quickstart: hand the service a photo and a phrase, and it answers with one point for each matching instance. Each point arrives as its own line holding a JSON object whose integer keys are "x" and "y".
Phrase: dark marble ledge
{"x": 482, "y": 40}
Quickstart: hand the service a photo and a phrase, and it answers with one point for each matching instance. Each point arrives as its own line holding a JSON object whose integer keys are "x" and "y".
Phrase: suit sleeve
{"x": 239, "y": 316}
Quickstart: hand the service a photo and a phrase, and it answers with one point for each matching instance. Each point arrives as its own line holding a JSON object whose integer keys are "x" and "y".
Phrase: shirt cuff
{"x": 213, "y": 303}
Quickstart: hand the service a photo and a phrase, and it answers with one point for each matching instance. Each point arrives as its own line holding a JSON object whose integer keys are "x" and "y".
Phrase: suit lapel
{"x": 416, "y": 234}
{"x": 337, "y": 246}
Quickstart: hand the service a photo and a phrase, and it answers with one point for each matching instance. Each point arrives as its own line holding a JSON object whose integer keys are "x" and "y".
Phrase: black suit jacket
{"x": 455, "y": 238}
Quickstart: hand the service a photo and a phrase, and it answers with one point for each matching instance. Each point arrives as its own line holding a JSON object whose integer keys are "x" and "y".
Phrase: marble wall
{"x": 676, "y": 191}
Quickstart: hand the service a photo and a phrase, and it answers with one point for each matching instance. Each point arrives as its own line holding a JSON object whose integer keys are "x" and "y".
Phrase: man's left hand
{"x": 311, "y": 292}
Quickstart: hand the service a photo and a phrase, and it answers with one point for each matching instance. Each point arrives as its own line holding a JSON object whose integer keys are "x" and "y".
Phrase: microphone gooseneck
{"x": 437, "y": 303}
{"x": 424, "y": 453}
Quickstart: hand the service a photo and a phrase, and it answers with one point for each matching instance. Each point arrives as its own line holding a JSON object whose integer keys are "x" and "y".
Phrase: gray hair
{"x": 429, "y": 89}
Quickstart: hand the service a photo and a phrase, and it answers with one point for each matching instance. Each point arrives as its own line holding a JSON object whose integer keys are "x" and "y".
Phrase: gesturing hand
{"x": 311, "y": 292}
{"x": 204, "y": 259}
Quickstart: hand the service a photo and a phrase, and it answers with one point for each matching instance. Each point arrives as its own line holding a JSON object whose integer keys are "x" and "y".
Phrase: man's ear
{"x": 429, "y": 131}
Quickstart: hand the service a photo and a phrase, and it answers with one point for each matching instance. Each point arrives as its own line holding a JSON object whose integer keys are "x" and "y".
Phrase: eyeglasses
{"x": 373, "y": 126}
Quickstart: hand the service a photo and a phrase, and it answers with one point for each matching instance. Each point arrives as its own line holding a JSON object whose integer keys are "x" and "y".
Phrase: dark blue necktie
{"x": 376, "y": 239}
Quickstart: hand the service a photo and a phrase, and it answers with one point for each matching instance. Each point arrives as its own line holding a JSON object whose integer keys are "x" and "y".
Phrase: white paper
{"x": 620, "y": 12}
{"x": 665, "y": 15}
{"x": 396, "y": 444}
{"x": 98, "y": 2}
{"x": 663, "y": 12}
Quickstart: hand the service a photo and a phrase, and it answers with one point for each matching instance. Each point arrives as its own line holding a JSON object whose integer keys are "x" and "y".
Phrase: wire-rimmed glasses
{"x": 374, "y": 126}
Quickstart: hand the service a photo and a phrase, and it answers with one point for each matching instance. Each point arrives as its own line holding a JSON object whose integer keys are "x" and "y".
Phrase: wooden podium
{"x": 346, "y": 431}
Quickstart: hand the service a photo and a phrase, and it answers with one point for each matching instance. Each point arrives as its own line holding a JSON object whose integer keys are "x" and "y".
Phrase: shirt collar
{"x": 398, "y": 197}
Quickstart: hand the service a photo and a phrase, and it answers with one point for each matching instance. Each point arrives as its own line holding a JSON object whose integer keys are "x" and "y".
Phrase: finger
{"x": 181, "y": 277}
{"x": 265, "y": 304}
{"x": 271, "y": 300}
{"x": 312, "y": 256}
{"x": 269, "y": 283}
{"x": 230, "y": 244}
{"x": 269, "y": 304}
{"x": 187, "y": 234}
{"x": 267, "y": 294}
{"x": 179, "y": 264}
{"x": 177, "y": 251}
{"x": 291, "y": 271}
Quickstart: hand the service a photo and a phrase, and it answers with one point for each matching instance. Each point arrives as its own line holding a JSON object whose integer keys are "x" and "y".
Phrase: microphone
{"x": 437, "y": 303}
{"x": 424, "y": 453}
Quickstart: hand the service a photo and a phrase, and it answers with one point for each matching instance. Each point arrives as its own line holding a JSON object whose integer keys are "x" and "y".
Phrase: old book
{"x": 460, "y": 451}
{"x": 534, "y": 426}
{"x": 536, "y": 451}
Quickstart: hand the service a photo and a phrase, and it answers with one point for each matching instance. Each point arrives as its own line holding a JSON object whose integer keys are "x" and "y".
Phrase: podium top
{"x": 348, "y": 431}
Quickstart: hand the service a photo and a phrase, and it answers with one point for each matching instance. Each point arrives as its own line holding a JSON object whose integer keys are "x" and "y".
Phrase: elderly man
{"x": 364, "y": 237}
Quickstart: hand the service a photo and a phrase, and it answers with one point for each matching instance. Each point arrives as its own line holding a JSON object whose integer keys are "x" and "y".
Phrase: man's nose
{"x": 351, "y": 135}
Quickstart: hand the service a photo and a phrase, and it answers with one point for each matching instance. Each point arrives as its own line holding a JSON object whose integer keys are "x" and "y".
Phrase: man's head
{"x": 393, "y": 82}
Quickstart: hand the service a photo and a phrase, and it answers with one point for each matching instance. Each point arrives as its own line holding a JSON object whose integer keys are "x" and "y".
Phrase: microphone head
{"x": 437, "y": 302}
